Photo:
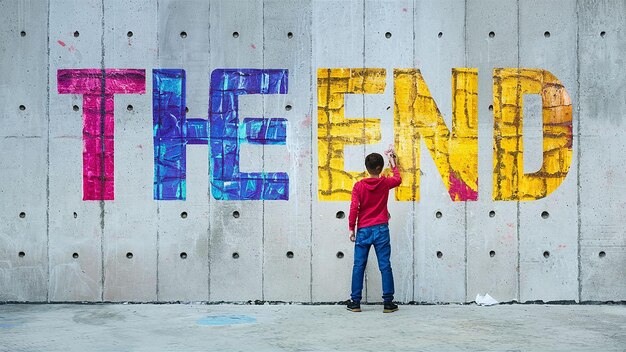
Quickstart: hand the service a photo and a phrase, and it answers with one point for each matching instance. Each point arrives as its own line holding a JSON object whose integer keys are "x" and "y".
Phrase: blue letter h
{"x": 173, "y": 131}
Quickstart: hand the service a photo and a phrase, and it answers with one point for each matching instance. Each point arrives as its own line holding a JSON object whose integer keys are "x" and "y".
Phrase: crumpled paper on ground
{"x": 485, "y": 300}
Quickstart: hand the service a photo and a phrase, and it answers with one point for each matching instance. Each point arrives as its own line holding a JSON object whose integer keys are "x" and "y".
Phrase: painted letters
{"x": 98, "y": 88}
{"x": 416, "y": 119}
{"x": 225, "y": 134}
{"x": 173, "y": 131}
{"x": 510, "y": 182}
{"x": 334, "y": 130}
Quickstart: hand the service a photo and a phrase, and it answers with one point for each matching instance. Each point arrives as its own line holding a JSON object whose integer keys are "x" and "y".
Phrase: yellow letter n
{"x": 454, "y": 151}
{"x": 334, "y": 131}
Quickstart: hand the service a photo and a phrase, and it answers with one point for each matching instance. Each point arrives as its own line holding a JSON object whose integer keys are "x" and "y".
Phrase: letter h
{"x": 173, "y": 131}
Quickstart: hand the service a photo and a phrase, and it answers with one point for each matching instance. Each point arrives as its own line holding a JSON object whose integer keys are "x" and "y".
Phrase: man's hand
{"x": 352, "y": 237}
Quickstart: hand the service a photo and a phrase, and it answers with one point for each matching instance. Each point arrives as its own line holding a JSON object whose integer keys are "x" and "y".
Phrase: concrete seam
{"x": 311, "y": 155}
{"x": 102, "y": 113}
{"x": 413, "y": 205}
{"x": 48, "y": 157}
{"x": 465, "y": 57}
{"x": 209, "y": 176}
{"x": 519, "y": 288}
{"x": 578, "y": 151}
{"x": 465, "y": 64}
{"x": 158, "y": 207}
{"x": 466, "y": 271}
{"x": 414, "y": 225}
{"x": 365, "y": 277}
{"x": 263, "y": 166}
{"x": 158, "y": 214}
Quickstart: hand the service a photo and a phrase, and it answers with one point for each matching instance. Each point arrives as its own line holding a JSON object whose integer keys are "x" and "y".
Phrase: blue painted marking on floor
{"x": 9, "y": 323}
{"x": 220, "y": 320}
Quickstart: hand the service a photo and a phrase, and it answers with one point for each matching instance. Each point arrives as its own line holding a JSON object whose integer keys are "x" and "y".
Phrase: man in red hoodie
{"x": 369, "y": 208}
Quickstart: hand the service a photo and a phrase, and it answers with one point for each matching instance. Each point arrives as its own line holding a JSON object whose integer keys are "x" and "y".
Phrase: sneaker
{"x": 354, "y": 306}
{"x": 390, "y": 307}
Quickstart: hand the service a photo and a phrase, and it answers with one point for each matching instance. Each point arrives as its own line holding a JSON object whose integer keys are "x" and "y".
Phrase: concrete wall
{"x": 513, "y": 180}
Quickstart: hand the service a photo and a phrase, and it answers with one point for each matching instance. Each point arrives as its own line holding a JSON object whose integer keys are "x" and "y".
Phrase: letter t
{"x": 98, "y": 88}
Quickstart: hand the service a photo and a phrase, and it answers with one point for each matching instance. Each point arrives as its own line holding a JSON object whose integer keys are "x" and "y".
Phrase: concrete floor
{"x": 197, "y": 327}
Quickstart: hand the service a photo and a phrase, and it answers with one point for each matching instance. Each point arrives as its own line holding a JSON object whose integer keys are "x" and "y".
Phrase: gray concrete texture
{"x": 181, "y": 327}
{"x": 55, "y": 247}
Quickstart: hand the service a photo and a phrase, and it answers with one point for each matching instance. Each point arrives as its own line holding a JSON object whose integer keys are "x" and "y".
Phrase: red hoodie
{"x": 369, "y": 200}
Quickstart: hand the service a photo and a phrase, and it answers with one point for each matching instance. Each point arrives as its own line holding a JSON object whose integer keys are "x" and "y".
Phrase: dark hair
{"x": 374, "y": 163}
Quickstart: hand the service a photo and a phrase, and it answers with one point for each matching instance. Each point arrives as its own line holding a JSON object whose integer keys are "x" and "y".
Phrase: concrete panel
{"x": 183, "y": 254}
{"x": 547, "y": 32}
{"x": 602, "y": 148}
{"x": 438, "y": 278}
{"x": 395, "y": 18}
{"x": 337, "y": 42}
{"x": 236, "y": 239}
{"x": 287, "y": 224}
{"x": 24, "y": 270}
{"x": 23, "y": 139}
{"x": 75, "y": 226}
{"x": 489, "y": 232}
{"x": 130, "y": 251}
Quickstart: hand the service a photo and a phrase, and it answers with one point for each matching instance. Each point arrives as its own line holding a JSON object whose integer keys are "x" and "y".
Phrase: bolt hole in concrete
{"x": 339, "y": 254}
{"x": 235, "y": 255}
{"x": 440, "y": 34}
{"x": 221, "y": 320}
{"x": 492, "y": 254}
{"x": 129, "y": 34}
{"x": 289, "y": 35}
{"x": 22, "y": 215}
{"x": 235, "y": 34}
{"x": 388, "y": 35}
{"x": 546, "y": 254}
{"x": 21, "y": 254}
{"x": 183, "y": 255}
{"x": 75, "y": 107}
{"x": 492, "y": 214}
{"x": 129, "y": 108}
{"x": 183, "y": 34}
{"x": 22, "y": 107}
{"x": 76, "y": 34}
{"x": 290, "y": 254}
{"x": 490, "y": 107}
{"x": 287, "y": 107}
{"x": 340, "y": 215}
{"x": 492, "y": 34}
{"x": 438, "y": 215}
{"x": 23, "y": 34}
{"x": 183, "y": 215}
{"x": 75, "y": 215}
{"x": 75, "y": 255}
{"x": 602, "y": 34}
{"x": 546, "y": 34}
{"x": 602, "y": 254}
{"x": 236, "y": 214}
{"x": 186, "y": 109}
{"x": 129, "y": 255}
{"x": 439, "y": 254}
{"x": 545, "y": 214}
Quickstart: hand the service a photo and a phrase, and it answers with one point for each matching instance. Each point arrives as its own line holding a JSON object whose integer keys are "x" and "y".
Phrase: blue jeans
{"x": 377, "y": 235}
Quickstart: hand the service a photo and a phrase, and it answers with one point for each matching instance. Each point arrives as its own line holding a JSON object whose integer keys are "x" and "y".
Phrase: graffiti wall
{"x": 174, "y": 150}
